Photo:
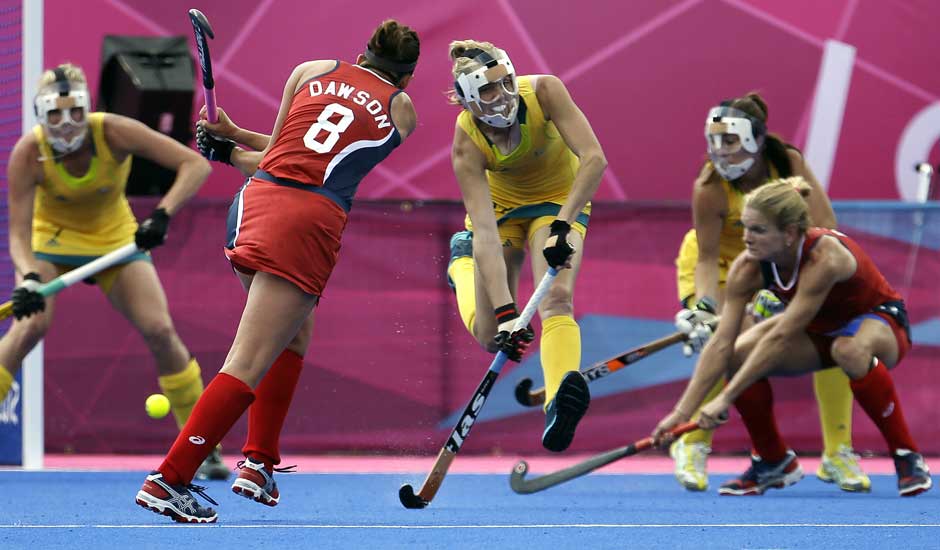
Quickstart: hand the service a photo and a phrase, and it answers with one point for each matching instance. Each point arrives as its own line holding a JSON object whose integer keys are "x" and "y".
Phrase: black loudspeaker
{"x": 150, "y": 79}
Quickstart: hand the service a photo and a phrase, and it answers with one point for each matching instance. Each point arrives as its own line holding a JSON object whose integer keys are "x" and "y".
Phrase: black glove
{"x": 152, "y": 231}
{"x": 512, "y": 343}
{"x": 26, "y": 300}
{"x": 214, "y": 147}
{"x": 558, "y": 254}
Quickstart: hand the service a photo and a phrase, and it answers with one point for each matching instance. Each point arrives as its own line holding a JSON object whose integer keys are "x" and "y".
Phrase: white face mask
{"x": 728, "y": 131}
{"x": 731, "y": 171}
{"x": 490, "y": 92}
{"x": 64, "y": 117}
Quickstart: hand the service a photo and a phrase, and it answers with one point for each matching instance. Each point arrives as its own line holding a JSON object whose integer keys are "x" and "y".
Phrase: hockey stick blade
{"x": 199, "y": 20}
{"x": 408, "y": 498}
{"x": 521, "y": 485}
{"x": 525, "y": 397}
{"x": 201, "y": 29}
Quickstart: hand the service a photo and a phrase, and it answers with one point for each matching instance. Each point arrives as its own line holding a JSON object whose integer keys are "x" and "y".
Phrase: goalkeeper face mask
{"x": 63, "y": 113}
{"x": 490, "y": 92}
{"x": 734, "y": 139}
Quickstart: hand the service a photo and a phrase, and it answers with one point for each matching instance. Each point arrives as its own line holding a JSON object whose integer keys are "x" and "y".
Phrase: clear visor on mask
{"x": 499, "y": 98}
{"x": 64, "y": 117}
{"x": 490, "y": 92}
{"x": 729, "y": 130}
{"x": 55, "y": 111}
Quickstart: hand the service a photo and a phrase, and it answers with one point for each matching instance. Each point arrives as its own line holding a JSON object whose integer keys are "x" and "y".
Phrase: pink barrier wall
{"x": 390, "y": 360}
{"x": 645, "y": 74}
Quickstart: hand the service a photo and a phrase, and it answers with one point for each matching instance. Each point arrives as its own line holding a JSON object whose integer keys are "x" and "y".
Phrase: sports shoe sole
{"x": 825, "y": 477}
{"x": 916, "y": 489}
{"x": 252, "y": 491}
{"x": 788, "y": 479}
{"x": 571, "y": 402}
{"x": 154, "y": 504}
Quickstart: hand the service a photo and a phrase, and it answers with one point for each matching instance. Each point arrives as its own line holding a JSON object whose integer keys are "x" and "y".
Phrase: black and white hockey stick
{"x": 406, "y": 494}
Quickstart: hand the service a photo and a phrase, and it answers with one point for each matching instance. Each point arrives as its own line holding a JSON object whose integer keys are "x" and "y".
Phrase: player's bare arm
{"x": 404, "y": 115}
{"x": 470, "y": 169}
{"x": 829, "y": 263}
{"x": 709, "y": 208}
{"x": 575, "y": 129}
{"x": 225, "y": 127}
{"x": 126, "y": 136}
{"x": 743, "y": 280}
{"x": 23, "y": 173}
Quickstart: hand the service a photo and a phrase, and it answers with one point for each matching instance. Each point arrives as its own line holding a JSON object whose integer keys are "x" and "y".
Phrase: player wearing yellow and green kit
{"x": 743, "y": 156}
{"x": 67, "y": 207}
{"x": 527, "y": 163}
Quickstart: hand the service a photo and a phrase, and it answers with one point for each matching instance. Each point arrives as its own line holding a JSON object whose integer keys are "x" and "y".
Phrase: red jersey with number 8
{"x": 339, "y": 127}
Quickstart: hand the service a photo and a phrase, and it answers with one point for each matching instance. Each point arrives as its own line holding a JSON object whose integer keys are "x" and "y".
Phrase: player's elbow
{"x": 595, "y": 160}
{"x": 780, "y": 336}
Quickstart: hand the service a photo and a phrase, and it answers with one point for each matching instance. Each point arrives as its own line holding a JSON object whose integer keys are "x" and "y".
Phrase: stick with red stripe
{"x": 528, "y": 397}
{"x": 524, "y": 486}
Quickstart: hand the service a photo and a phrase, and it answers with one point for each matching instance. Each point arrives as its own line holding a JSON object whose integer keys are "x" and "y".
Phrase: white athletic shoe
{"x": 690, "y": 464}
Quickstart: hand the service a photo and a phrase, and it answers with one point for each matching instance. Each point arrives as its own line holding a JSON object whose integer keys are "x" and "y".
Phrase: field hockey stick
{"x": 924, "y": 173}
{"x": 528, "y": 397}
{"x": 457, "y": 437}
{"x": 78, "y": 274}
{"x": 201, "y": 28}
{"x": 523, "y": 486}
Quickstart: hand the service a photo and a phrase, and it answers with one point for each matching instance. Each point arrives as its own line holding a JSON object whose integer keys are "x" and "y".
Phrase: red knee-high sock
{"x": 875, "y": 393}
{"x": 756, "y": 405}
{"x": 221, "y": 404}
{"x": 272, "y": 399}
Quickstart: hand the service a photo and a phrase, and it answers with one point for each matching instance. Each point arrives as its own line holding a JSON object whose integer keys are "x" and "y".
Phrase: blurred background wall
{"x": 390, "y": 362}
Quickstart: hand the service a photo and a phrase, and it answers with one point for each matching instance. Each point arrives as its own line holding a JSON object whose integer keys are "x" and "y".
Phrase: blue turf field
{"x": 96, "y": 510}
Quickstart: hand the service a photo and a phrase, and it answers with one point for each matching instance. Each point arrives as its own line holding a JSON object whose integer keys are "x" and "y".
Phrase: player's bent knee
{"x": 853, "y": 357}
{"x": 558, "y": 302}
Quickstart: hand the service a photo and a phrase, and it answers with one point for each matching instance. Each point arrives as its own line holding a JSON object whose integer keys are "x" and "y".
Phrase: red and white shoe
{"x": 175, "y": 501}
{"x": 764, "y": 475}
{"x": 256, "y": 483}
{"x": 913, "y": 473}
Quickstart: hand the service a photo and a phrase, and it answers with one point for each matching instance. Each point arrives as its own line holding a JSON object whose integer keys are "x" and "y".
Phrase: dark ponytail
{"x": 394, "y": 49}
{"x": 775, "y": 149}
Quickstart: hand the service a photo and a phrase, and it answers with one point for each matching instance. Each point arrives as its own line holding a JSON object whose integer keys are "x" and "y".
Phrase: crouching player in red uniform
{"x": 335, "y": 123}
{"x": 841, "y": 311}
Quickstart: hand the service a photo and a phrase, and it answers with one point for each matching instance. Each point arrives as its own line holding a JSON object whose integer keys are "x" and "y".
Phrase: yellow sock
{"x": 704, "y": 436}
{"x": 6, "y": 380}
{"x": 461, "y": 272}
{"x": 183, "y": 390}
{"x": 560, "y": 350}
{"x": 834, "y": 397}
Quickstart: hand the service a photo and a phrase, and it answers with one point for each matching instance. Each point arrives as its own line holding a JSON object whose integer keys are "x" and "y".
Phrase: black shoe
{"x": 213, "y": 468}
{"x": 565, "y": 411}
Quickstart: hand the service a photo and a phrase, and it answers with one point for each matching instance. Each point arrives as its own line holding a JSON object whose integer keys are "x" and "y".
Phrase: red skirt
{"x": 289, "y": 232}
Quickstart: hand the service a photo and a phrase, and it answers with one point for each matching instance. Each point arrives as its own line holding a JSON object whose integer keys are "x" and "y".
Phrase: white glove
{"x": 765, "y": 305}
{"x": 696, "y": 323}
